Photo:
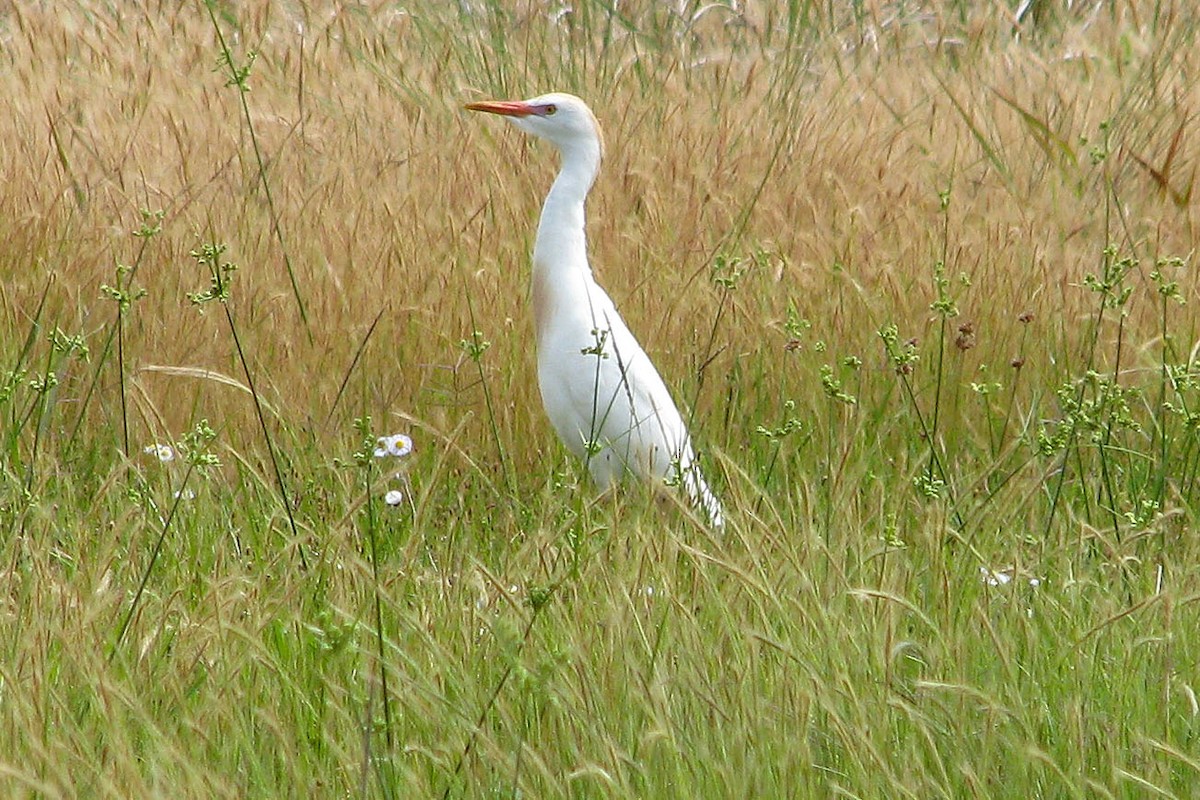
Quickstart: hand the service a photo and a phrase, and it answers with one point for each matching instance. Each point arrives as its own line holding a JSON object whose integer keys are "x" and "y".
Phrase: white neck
{"x": 560, "y": 252}
{"x": 561, "y": 245}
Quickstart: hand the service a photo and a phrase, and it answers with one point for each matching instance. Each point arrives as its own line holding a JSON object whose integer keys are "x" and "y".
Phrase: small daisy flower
{"x": 397, "y": 445}
{"x": 162, "y": 452}
{"x": 185, "y": 494}
{"x": 394, "y": 497}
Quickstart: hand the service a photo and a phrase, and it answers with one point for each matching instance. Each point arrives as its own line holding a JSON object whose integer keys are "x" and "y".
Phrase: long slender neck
{"x": 560, "y": 252}
{"x": 561, "y": 244}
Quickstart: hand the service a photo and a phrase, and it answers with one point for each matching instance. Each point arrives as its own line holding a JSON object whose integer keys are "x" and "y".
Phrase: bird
{"x": 603, "y": 396}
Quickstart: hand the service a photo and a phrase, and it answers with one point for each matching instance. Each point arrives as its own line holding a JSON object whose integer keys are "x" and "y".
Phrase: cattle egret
{"x": 602, "y": 394}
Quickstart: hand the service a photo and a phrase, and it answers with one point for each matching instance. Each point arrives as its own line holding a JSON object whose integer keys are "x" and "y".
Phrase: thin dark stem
{"x": 121, "y": 378}
{"x": 487, "y": 400}
{"x": 935, "y": 461}
{"x": 362, "y": 346}
{"x": 239, "y": 81}
{"x": 262, "y": 422}
{"x": 162, "y": 537}
{"x": 118, "y": 325}
{"x": 383, "y": 673}
{"x": 1012, "y": 394}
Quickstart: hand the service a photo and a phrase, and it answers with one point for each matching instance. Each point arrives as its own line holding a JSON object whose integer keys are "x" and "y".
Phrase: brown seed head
{"x": 966, "y": 336}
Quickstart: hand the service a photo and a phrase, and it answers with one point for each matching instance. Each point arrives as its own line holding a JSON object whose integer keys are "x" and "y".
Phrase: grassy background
{"x": 961, "y": 556}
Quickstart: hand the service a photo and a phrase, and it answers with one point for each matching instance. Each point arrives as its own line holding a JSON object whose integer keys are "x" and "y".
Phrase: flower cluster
{"x": 193, "y": 448}
{"x": 1003, "y": 577}
{"x": 397, "y": 445}
{"x": 163, "y": 452}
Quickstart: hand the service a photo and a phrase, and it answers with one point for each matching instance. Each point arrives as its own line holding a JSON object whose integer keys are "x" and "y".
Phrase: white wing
{"x": 611, "y": 407}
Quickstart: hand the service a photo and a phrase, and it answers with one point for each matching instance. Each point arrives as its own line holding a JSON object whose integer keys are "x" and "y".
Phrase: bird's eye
{"x": 550, "y": 109}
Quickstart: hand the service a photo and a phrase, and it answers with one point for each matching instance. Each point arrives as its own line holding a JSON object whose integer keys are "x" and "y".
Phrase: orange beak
{"x": 508, "y": 108}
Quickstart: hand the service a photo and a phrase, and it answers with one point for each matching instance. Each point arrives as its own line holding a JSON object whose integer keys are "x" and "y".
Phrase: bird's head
{"x": 560, "y": 118}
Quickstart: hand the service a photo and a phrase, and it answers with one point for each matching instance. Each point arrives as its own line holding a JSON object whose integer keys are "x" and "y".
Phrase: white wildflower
{"x": 397, "y": 445}
{"x": 994, "y": 577}
{"x": 162, "y": 452}
{"x": 394, "y": 497}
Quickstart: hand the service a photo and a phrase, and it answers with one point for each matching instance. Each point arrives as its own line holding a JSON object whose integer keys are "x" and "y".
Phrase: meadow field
{"x": 921, "y": 275}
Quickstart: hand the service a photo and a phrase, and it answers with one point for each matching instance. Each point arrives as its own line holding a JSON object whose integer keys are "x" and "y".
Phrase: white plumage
{"x": 604, "y": 397}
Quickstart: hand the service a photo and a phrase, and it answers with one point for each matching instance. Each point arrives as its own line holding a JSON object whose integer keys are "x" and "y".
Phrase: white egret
{"x": 602, "y": 394}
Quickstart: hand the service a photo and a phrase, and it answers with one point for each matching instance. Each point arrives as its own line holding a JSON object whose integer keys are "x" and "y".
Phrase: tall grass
{"x": 921, "y": 274}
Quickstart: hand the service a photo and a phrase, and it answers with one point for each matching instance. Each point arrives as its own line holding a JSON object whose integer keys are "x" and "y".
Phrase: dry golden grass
{"x": 389, "y": 197}
{"x": 839, "y": 640}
